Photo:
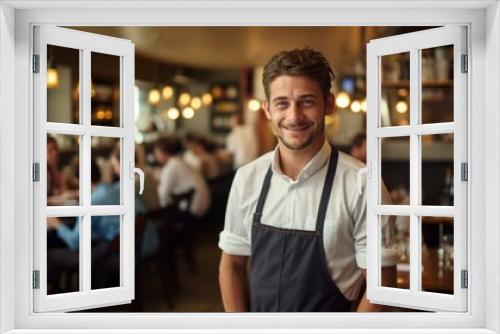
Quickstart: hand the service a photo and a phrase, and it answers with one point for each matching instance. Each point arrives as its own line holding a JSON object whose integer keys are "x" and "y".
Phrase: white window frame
{"x": 85, "y": 43}
{"x": 16, "y": 20}
{"x": 413, "y": 43}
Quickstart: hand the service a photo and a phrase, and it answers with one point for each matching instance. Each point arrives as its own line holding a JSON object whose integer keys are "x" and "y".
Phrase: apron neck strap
{"x": 263, "y": 195}
{"x": 325, "y": 196}
{"x": 327, "y": 190}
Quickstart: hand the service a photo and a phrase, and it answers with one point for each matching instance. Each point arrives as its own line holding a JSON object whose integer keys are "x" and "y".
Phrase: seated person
{"x": 200, "y": 154}
{"x": 178, "y": 177}
{"x": 241, "y": 143}
{"x": 55, "y": 179}
{"x": 358, "y": 147}
{"x": 62, "y": 187}
{"x": 104, "y": 228}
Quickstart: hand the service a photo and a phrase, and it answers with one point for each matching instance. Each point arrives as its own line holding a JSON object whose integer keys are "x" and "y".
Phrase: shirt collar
{"x": 315, "y": 164}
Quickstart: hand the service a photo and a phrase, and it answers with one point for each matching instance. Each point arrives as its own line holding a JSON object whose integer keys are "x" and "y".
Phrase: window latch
{"x": 134, "y": 170}
{"x": 363, "y": 171}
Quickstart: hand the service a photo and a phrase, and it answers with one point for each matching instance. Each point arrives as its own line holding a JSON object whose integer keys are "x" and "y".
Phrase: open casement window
{"x": 73, "y": 122}
{"x": 401, "y": 121}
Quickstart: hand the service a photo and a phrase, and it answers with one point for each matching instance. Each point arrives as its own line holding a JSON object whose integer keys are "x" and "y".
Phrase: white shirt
{"x": 177, "y": 177}
{"x": 243, "y": 144}
{"x": 294, "y": 205}
{"x": 206, "y": 164}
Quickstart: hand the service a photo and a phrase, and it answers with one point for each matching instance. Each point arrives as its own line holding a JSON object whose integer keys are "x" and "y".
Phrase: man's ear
{"x": 330, "y": 104}
{"x": 265, "y": 106}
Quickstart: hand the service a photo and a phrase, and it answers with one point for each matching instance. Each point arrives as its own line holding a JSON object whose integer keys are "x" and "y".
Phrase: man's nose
{"x": 294, "y": 112}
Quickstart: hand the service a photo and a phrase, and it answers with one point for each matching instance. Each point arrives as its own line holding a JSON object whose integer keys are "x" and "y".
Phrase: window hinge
{"x": 465, "y": 64}
{"x": 36, "y": 279}
{"x": 36, "y": 63}
{"x": 464, "y": 171}
{"x": 36, "y": 172}
{"x": 465, "y": 279}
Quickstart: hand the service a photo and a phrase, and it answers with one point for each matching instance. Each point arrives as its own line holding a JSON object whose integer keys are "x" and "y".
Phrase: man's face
{"x": 297, "y": 110}
{"x": 160, "y": 156}
{"x": 115, "y": 163}
{"x": 359, "y": 152}
{"x": 52, "y": 154}
{"x": 363, "y": 151}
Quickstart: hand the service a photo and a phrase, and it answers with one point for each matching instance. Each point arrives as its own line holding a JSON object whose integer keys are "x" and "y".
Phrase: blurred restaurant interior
{"x": 198, "y": 86}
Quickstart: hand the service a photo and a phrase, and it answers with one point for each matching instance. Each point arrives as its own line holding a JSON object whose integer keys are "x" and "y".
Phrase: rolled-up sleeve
{"x": 358, "y": 214}
{"x": 234, "y": 239}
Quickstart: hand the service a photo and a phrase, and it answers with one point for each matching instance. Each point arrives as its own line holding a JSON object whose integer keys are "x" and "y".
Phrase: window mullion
{"x": 415, "y": 171}
{"x": 85, "y": 249}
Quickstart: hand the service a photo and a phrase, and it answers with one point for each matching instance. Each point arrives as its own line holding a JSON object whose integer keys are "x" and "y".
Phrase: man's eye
{"x": 281, "y": 104}
{"x": 307, "y": 103}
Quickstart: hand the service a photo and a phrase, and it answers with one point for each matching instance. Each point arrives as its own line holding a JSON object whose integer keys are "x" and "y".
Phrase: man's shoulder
{"x": 349, "y": 163}
{"x": 175, "y": 163}
{"x": 255, "y": 167}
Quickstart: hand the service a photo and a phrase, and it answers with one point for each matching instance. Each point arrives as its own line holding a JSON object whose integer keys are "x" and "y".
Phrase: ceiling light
{"x": 52, "y": 78}
{"x": 343, "y": 100}
{"x": 401, "y": 107}
{"x": 196, "y": 103}
{"x": 188, "y": 113}
{"x": 154, "y": 96}
{"x": 356, "y": 106}
{"x": 254, "y": 105}
{"x": 363, "y": 105}
{"x": 206, "y": 98}
{"x": 184, "y": 99}
{"x": 167, "y": 92}
{"x": 173, "y": 113}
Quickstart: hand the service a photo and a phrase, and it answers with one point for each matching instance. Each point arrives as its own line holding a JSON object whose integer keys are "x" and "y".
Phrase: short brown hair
{"x": 358, "y": 140}
{"x": 170, "y": 145}
{"x": 305, "y": 62}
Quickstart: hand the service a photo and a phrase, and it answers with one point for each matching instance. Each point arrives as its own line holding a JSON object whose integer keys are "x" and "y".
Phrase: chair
{"x": 219, "y": 190}
{"x": 184, "y": 226}
{"x": 177, "y": 227}
{"x": 141, "y": 263}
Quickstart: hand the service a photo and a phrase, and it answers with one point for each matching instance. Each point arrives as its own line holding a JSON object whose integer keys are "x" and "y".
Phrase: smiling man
{"x": 295, "y": 231}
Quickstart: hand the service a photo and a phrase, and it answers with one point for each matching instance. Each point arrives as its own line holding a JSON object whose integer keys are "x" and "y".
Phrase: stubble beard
{"x": 317, "y": 133}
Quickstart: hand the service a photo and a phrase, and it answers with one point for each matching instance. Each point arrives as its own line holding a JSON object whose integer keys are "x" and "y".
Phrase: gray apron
{"x": 288, "y": 268}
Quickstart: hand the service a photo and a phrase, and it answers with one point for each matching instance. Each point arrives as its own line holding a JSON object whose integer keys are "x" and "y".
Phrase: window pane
{"x": 437, "y": 254}
{"x": 395, "y": 246}
{"x": 105, "y": 89}
{"x": 437, "y": 84}
{"x": 63, "y": 170}
{"x": 63, "y": 256}
{"x": 105, "y": 174}
{"x": 395, "y": 167}
{"x": 395, "y": 90}
{"x": 63, "y": 75}
{"x": 105, "y": 251}
{"x": 437, "y": 170}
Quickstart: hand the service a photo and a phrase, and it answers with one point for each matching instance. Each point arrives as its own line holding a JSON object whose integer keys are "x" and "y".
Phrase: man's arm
{"x": 233, "y": 281}
{"x": 389, "y": 278}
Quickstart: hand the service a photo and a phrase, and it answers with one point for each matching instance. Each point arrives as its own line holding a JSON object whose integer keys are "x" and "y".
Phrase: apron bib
{"x": 288, "y": 268}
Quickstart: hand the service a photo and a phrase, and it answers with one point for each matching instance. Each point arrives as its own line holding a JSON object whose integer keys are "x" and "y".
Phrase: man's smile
{"x": 297, "y": 127}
